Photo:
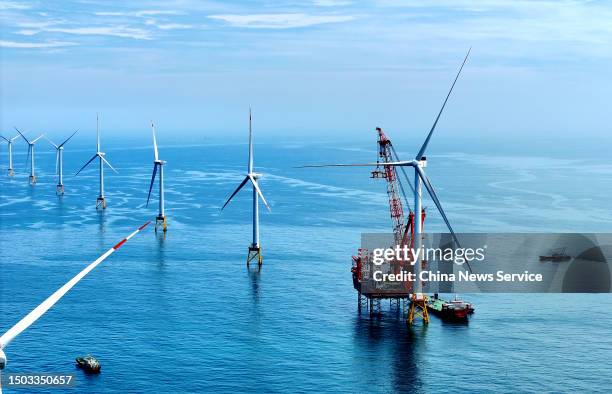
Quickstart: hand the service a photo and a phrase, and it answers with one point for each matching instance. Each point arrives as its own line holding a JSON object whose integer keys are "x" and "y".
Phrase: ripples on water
{"x": 183, "y": 313}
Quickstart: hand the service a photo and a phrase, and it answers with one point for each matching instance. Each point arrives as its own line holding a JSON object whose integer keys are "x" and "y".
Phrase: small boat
{"x": 556, "y": 255}
{"x": 88, "y": 363}
{"x": 456, "y": 310}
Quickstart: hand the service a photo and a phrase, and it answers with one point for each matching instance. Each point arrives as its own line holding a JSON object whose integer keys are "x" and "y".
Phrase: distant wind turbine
{"x": 9, "y": 141}
{"x": 161, "y": 216}
{"x": 101, "y": 200}
{"x": 59, "y": 163}
{"x": 41, "y": 309}
{"x": 254, "y": 248}
{"x": 31, "y": 155}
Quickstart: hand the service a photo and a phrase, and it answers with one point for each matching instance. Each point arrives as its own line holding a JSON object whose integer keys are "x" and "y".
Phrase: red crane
{"x": 403, "y": 229}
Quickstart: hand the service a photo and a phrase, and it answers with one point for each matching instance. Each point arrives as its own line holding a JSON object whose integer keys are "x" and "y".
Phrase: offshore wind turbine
{"x": 101, "y": 200}
{"x": 251, "y": 176}
{"x": 420, "y": 179}
{"x": 31, "y": 155}
{"x": 41, "y": 309}
{"x": 59, "y": 163}
{"x": 9, "y": 141}
{"x": 158, "y": 164}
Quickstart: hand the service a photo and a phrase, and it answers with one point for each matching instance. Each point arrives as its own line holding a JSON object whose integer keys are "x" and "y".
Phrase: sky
{"x": 310, "y": 68}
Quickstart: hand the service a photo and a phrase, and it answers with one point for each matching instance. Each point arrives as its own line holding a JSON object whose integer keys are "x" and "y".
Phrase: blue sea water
{"x": 182, "y": 313}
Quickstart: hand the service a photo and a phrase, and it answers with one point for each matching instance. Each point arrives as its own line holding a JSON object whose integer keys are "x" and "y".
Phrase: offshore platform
{"x": 401, "y": 295}
{"x": 407, "y": 229}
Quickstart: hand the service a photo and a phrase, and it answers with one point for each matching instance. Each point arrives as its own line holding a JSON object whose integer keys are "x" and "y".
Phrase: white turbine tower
{"x": 59, "y": 163}
{"x": 254, "y": 248}
{"x": 41, "y": 309}
{"x": 31, "y": 155}
{"x": 161, "y": 216}
{"x": 9, "y": 141}
{"x": 420, "y": 179}
{"x": 101, "y": 200}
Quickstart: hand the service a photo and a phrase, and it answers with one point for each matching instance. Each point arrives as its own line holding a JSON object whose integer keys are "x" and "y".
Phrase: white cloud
{"x": 39, "y": 25}
{"x": 30, "y": 45}
{"x": 173, "y": 26}
{"x": 280, "y": 21}
{"x": 331, "y": 3}
{"x": 142, "y": 13}
{"x": 31, "y": 28}
{"x": 12, "y": 5}
{"x": 27, "y": 32}
{"x": 113, "y": 31}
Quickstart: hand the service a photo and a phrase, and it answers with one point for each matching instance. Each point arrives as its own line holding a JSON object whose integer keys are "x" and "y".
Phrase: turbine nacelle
{"x": 255, "y": 175}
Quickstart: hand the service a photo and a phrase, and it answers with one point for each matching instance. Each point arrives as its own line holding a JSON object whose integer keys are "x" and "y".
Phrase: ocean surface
{"x": 182, "y": 313}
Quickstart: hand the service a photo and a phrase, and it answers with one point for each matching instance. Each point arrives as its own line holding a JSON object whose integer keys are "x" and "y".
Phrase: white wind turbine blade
{"x": 152, "y": 181}
{"x": 108, "y": 164}
{"x": 421, "y": 153}
{"x": 396, "y": 163}
{"x": 154, "y": 142}
{"x": 21, "y": 134}
{"x": 97, "y": 133}
{"x": 68, "y": 139}
{"x": 246, "y": 179}
{"x": 434, "y": 197}
{"x": 36, "y": 139}
{"x": 254, "y": 182}
{"x": 86, "y": 164}
{"x": 250, "y": 165}
{"x": 4, "y": 138}
{"x": 51, "y": 142}
{"x": 40, "y": 310}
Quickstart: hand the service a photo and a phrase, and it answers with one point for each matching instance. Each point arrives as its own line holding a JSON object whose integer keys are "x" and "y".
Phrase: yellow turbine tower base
{"x": 418, "y": 308}
{"x": 59, "y": 190}
{"x": 160, "y": 221}
{"x": 32, "y": 179}
{"x": 11, "y": 172}
{"x": 101, "y": 203}
{"x": 254, "y": 253}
